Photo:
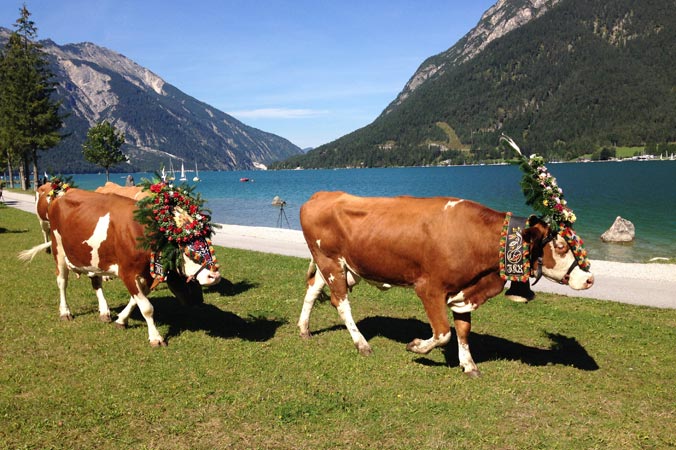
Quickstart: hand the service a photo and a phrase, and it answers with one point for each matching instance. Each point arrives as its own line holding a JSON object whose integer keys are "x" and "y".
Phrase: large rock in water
{"x": 622, "y": 230}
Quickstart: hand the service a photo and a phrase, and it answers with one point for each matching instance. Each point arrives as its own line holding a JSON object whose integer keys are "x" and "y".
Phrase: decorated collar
{"x": 514, "y": 250}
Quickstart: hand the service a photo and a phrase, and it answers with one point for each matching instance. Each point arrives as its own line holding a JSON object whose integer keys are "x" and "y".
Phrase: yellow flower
{"x": 545, "y": 202}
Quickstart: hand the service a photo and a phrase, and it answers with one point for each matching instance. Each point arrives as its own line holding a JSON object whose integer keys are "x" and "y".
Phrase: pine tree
{"x": 29, "y": 117}
{"x": 102, "y": 146}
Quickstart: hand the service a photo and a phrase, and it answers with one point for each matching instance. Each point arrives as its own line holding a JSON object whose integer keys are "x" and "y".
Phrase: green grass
{"x": 560, "y": 372}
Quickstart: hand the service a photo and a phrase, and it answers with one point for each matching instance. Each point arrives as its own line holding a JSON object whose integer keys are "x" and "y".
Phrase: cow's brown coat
{"x": 445, "y": 248}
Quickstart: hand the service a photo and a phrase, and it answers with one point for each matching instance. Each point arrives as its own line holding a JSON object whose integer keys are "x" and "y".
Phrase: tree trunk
{"x": 24, "y": 174}
{"x": 107, "y": 175}
{"x": 11, "y": 174}
{"x": 36, "y": 176}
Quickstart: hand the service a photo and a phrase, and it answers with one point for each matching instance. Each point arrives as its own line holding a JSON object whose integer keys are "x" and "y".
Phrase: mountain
{"x": 159, "y": 121}
{"x": 563, "y": 77}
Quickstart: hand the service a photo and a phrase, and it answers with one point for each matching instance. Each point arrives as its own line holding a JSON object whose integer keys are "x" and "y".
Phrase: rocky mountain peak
{"x": 498, "y": 20}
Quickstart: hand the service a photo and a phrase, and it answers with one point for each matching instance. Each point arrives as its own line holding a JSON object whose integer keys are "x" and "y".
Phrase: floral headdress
{"x": 60, "y": 185}
{"x": 545, "y": 196}
{"x": 174, "y": 217}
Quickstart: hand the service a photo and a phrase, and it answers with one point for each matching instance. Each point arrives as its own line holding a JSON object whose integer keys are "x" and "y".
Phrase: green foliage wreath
{"x": 173, "y": 216}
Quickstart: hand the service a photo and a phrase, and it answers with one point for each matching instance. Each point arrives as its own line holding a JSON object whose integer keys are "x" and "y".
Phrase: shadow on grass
{"x": 5, "y": 230}
{"x": 227, "y": 288}
{"x": 563, "y": 350}
{"x": 205, "y": 317}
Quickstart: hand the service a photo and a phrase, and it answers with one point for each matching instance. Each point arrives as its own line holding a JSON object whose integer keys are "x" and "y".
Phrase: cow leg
{"x": 434, "y": 301}
{"x": 62, "y": 283}
{"x": 314, "y": 288}
{"x": 123, "y": 317}
{"x": 104, "y": 311}
{"x": 463, "y": 325}
{"x": 336, "y": 278}
{"x": 44, "y": 225}
{"x": 146, "y": 309}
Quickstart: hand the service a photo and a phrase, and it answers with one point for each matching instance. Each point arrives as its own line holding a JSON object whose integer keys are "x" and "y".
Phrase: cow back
{"x": 400, "y": 239}
{"x": 133, "y": 192}
{"x": 98, "y": 231}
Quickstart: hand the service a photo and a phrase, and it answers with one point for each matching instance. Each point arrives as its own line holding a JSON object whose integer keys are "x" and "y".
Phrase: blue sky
{"x": 309, "y": 71}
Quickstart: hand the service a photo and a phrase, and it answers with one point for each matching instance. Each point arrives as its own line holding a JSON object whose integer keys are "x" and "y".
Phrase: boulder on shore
{"x": 622, "y": 230}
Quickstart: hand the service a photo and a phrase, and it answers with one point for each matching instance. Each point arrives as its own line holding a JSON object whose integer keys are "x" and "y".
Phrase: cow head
{"x": 199, "y": 262}
{"x": 559, "y": 255}
{"x": 560, "y": 252}
{"x": 177, "y": 228}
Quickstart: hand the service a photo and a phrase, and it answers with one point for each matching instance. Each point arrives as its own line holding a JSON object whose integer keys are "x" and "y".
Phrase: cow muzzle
{"x": 578, "y": 279}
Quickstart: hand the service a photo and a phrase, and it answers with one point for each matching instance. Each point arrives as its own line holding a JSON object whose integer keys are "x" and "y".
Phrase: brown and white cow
{"x": 446, "y": 249}
{"x": 97, "y": 235}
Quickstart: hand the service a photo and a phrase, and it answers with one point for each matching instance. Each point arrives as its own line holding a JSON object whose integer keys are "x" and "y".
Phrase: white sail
{"x": 183, "y": 178}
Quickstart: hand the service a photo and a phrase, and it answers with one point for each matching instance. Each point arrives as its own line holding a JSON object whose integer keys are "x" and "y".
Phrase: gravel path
{"x": 637, "y": 284}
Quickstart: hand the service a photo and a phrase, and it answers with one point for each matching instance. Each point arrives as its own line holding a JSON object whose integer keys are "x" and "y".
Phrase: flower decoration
{"x": 541, "y": 189}
{"x": 576, "y": 245}
{"x": 173, "y": 217}
{"x": 59, "y": 186}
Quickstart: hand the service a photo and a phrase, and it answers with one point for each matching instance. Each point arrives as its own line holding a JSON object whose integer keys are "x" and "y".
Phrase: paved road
{"x": 638, "y": 284}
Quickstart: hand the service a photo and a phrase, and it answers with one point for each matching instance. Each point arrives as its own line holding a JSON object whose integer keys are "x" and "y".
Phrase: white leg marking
{"x": 346, "y": 314}
{"x": 103, "y": 304}
{"x": 427, "y": 345}
{"x": 100, "y": 234}
{"x": 309, "y": 301}
{"x": 452, "y": 204}
{"x": 126, "y": 312}
{"x": 61, "y": 276}
{"x": 465, "y": 358}
{"x": 147, "y": 309}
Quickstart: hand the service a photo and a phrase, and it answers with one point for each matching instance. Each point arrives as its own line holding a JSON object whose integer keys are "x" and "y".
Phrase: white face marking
{"x": 562, "y": 262}
{"x": 100, "y": 234}
{"x": 452, "y": 204}
{"x": 205, "y": 277}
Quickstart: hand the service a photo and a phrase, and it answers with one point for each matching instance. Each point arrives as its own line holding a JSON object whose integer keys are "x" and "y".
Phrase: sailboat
{"x": 183, "y": 178}
{"x": 196, "y": 178}
{"x": 172, "y": 174}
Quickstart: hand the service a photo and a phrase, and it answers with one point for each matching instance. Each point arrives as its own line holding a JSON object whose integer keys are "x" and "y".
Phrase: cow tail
{"x": 28, "y": 255}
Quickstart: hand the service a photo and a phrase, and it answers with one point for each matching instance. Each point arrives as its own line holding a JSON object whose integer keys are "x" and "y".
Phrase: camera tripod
{"x": 282, "y": 216}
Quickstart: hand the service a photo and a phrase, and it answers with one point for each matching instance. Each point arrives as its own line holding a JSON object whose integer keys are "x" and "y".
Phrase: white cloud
{"x": 278, "y": 113}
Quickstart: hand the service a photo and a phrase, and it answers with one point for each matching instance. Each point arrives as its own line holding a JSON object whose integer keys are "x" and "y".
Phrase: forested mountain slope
{"x": 577, "y": 76}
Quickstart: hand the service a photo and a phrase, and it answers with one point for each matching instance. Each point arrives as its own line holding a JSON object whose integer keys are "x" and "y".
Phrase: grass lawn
{"x": 558, "y": 373}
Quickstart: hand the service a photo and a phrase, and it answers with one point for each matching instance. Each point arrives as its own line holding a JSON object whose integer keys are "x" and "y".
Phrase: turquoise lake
{"x": 643, "y": 192}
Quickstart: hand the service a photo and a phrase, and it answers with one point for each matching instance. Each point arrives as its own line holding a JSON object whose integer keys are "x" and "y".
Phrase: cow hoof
{"x": 365, "y": 351}
{"x": 66, "y": 317}
{"x": 120, "y": 325}
{"x": 473, "y": 374}
{"x": 158, "y": 343}
{"x": 105, "y": 318}
{"x": 414, "y": 346}
{"x": 306, "y": 335}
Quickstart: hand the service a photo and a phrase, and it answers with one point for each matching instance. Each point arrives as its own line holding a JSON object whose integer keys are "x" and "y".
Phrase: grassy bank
{"x": 561, "y": 372}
